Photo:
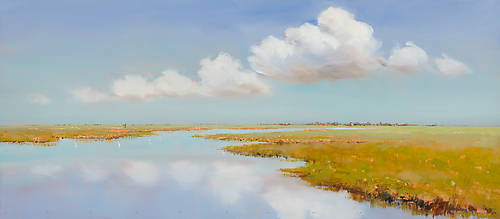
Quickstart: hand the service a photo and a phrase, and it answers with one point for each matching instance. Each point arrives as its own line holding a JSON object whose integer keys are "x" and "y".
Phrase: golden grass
{"x": 438, "y": 170}
{"x": 40, "y": 134}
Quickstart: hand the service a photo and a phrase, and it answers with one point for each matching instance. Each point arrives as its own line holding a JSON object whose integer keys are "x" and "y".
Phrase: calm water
{"x": 171, "y": 175}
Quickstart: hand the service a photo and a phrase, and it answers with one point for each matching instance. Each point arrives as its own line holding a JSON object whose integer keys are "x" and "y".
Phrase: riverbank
{"x": 430, "y": 170}
{"x": 44, "y": 134}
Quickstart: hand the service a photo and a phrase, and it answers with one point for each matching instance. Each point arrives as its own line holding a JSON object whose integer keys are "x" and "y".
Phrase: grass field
{"x": 436, "y": 170}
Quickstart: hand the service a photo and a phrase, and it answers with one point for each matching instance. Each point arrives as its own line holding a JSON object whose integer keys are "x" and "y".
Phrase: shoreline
{"x": 45, "y": 135}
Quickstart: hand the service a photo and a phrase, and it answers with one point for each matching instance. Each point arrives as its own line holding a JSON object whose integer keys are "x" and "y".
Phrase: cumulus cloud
{"x": 449, "y": 66}
{"x": 222, "y": 76}
{"x": 89, "y": 95}
{"x": 338, "y": 47}
{"x": 170, "y": 84}
{"x": 39, "y": 98}
{"x": 408, "y": 58}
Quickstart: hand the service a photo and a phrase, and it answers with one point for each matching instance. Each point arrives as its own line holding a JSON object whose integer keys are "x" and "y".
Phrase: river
{"x": 169, "y": 175}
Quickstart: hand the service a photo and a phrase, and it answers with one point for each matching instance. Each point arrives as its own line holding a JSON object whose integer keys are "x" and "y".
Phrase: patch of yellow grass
{"x": 443, "y": 170}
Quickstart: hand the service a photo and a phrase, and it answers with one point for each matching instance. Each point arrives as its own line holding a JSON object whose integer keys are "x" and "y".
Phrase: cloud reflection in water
{"x": 182, "y": 177}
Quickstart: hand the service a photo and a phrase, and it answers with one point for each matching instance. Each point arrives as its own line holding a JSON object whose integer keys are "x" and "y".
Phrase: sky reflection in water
{"x": 172, "y": 175}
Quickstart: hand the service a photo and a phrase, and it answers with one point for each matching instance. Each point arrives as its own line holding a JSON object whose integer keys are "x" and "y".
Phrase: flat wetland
{"x": 451, "y": 171}
{"x": 430, "y": 170}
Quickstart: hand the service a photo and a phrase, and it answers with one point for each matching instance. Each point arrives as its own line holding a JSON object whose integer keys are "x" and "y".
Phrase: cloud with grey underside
{"x": 337, "y": 47}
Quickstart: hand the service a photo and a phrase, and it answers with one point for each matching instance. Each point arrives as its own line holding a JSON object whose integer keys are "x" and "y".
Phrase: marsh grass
{"x": 44, "y": 134}
{"x": 438, "y": 170}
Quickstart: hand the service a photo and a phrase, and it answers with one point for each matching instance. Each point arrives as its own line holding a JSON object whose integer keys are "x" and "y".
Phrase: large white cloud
{"x": 221, "y": 77}
{"x": 449, "y": 66}
{"x": 408, "y": 58}
{"x": 338, "y": 47}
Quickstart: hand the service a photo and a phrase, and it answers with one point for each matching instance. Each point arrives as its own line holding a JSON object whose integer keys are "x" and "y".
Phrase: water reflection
{"x": 168, "y": 176}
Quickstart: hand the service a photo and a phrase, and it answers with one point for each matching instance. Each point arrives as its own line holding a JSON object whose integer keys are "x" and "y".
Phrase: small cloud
{"x": 89, "y": 95}
{"x": 407, "y": 59}
{"x": 39, "y": 98}
{"x": 449, "y": 66}
{"x": 170, "y": 84}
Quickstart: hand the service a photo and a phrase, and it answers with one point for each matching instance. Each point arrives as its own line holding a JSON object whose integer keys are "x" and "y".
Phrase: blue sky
{"x": 49, "y": 48}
